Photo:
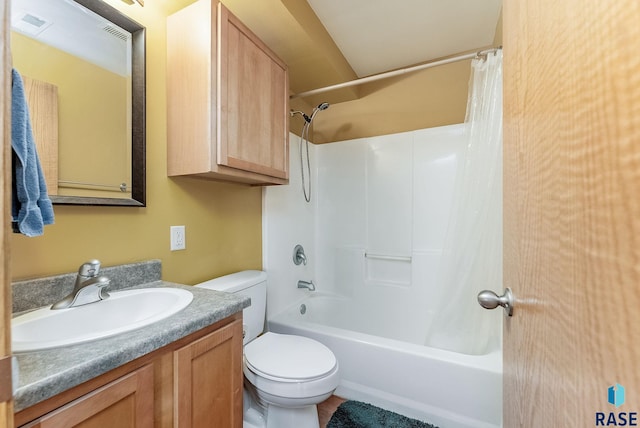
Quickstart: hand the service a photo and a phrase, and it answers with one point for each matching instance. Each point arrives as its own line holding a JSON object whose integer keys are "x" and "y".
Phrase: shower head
{"x": 304, "y": 136}
{"x": 321, "y": 106}
{"x": 308, "y": 119}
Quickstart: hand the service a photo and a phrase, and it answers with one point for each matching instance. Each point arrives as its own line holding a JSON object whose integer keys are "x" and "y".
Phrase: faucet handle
{"x": 90, "y": 268}
{"x": 299, "y": 256}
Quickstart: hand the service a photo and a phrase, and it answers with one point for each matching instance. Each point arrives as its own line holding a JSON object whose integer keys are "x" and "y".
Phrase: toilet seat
{"x": 289, "y": 358}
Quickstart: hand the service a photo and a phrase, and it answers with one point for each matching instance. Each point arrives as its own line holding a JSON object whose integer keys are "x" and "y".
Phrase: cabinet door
{"x": 253, "y": 101}
{"x": 126, "y": 402}
{"x": 208, "y": 380}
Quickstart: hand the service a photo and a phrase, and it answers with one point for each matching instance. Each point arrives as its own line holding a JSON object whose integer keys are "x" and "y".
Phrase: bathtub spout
{"x": 308, "y": 285}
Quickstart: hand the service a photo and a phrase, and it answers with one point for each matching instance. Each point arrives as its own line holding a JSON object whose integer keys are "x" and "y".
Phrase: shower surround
{"x": 373, "y": 235}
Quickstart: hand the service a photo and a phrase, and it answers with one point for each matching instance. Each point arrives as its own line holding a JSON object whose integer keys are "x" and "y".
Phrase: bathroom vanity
{"x": 184, "y": 371}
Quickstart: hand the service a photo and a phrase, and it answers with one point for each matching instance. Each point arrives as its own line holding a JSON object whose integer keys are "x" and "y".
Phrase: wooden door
{"x": 6, "y": 399}
{"x": 208, "y": 380}
{"x": 125, "y": 402}
{"x": 571, "y": 211}
{"x": 253, "y": 114}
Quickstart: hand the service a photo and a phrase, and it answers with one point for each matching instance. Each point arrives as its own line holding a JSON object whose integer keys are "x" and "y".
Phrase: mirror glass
{"x": 83, "y": 66}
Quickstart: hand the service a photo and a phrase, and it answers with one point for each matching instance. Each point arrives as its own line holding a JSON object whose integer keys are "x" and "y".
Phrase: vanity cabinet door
{"x": 208, "y": 380}
{"x": 125, "y": 402}
{"x": 227, "y": 99}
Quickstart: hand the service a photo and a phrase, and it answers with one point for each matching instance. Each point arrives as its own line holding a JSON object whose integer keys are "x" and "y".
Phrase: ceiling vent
{"x": 29, "y": 24}
{"x": 33, "y": 20}
{"x": 116, "y": 32}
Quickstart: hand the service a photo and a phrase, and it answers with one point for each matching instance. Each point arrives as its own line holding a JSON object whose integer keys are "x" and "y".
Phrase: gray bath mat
{"x": 355, "y": 414}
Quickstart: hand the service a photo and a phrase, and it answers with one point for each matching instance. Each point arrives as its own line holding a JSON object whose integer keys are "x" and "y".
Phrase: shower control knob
{"x": 298, "y": 255}
{"x": 490, "y": 300}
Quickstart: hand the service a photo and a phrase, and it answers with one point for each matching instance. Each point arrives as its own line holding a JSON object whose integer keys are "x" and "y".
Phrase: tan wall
{"x": 425, "y": 99}
{"x": 223, "y": 221}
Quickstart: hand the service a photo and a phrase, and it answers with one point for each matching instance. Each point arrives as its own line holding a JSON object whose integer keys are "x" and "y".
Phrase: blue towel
{"x": 31, "y": 207}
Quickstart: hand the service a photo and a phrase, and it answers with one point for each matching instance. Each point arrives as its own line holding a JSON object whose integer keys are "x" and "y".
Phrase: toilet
{"x": 285, "y": 376}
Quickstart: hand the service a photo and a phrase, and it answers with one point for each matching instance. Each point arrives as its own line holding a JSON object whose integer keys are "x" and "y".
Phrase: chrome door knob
{"x": 490, "y": 300}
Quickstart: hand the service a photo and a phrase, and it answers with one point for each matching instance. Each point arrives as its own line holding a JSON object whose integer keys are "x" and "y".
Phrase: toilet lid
{"x": 288, "y": 357}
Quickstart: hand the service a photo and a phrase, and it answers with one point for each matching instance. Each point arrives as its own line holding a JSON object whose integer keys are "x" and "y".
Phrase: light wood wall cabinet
{"x": 227, "y": 99}
{"x": 194, "y": 382}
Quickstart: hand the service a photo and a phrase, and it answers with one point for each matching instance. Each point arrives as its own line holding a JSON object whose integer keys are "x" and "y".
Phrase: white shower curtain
{"x": 472, "y": 253}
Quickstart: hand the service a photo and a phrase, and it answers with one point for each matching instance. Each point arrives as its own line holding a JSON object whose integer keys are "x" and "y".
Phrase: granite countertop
{"x": 46, "y": 373}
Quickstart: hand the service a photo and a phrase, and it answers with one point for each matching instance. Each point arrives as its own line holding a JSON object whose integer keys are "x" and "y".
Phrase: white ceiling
{"x": 70, "y": 27}
{"x": 382, "y": 35}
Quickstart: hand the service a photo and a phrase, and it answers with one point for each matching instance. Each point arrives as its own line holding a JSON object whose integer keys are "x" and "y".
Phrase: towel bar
{"x": 121, "y": 186}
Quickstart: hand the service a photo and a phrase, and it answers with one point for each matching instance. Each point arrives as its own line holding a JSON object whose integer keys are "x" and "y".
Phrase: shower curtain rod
{"x": 393, "y": 73}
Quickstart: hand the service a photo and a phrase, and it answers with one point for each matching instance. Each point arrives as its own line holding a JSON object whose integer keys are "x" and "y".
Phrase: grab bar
{"x": 387, "y": 257}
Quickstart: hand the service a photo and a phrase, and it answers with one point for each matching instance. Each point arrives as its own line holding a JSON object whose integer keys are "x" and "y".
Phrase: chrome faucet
{"x": 309, "y": 285}
{"x": 89, "y": 287}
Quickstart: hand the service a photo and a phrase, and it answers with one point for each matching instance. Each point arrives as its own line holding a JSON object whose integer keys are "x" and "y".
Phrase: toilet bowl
{"x": 285, "y": 376}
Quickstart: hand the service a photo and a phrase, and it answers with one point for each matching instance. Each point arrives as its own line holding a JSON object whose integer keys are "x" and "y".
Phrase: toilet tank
{"x": 251, "y": 283}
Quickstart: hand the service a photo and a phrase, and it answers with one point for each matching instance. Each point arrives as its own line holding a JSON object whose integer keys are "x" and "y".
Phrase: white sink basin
{"x": 123, "y": 311}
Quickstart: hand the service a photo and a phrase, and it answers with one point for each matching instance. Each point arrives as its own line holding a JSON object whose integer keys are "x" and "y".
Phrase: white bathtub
{"x": 448, "y": 389}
